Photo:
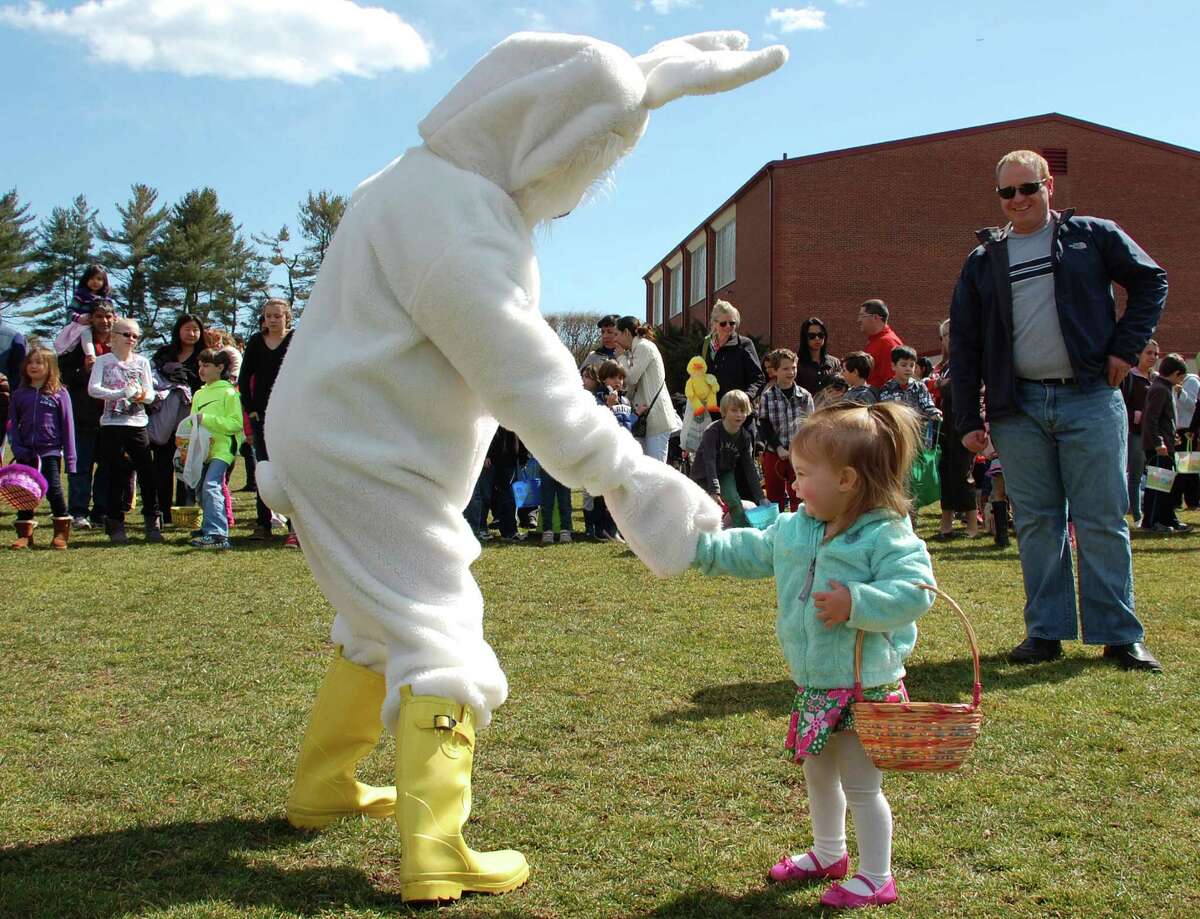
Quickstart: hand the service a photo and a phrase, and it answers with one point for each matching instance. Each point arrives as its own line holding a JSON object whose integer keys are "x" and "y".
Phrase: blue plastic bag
{"x": 527, "y": 487}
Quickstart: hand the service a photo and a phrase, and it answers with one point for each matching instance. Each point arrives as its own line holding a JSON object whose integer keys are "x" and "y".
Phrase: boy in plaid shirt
{"x": 782, "y": 409}
{"x": 902, "y": 387}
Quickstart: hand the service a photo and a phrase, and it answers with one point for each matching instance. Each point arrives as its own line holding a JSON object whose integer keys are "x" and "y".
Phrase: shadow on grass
{"x": 732, "y": 699}
{"x": 142, "y": 869}
{"x": 949, "y": 681}
{"x": 772, "y": 901}
{"x": 944, "y": 681}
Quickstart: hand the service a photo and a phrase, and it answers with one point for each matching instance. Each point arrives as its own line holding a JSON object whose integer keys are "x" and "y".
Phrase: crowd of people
{"x": 120, "y": 424}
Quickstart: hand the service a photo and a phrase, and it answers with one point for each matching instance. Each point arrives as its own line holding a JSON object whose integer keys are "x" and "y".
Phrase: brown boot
{"x": 62, "y": 533}
{"x": 24, "y": 538}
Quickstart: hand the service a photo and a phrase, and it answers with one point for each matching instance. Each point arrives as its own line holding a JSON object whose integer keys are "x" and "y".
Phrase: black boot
{"x": 1000, "y": 522}
{"x": 154, "y": 529}
{"x": 115, "y": 529}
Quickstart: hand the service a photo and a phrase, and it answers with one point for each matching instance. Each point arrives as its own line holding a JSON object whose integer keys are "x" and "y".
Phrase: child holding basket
{"x": 846, "y": 560}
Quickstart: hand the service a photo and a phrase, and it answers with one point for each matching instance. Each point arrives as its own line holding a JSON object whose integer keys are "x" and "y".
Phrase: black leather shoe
{"x": 1035, "y": 651}
{"x": 1134, "y": 656}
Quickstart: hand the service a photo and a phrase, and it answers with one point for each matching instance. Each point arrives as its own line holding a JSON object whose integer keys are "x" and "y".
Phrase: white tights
{"x": 843, "y": 774}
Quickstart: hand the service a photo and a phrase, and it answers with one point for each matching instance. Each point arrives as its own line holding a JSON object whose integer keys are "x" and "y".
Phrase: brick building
{"x": 817, "y": 235}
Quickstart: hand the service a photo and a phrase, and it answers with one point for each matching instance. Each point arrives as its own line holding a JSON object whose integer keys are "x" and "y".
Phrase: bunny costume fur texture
{"x": 423, "y": 332}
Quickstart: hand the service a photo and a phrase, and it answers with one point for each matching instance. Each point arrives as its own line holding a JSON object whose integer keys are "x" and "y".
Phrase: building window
{"x": 699, "y": 272}
{"x": 656, "y": 296}
{"x": 1056, "y": 159}
{"x": 725, "y": 269}
{"x": 677, "y": 288}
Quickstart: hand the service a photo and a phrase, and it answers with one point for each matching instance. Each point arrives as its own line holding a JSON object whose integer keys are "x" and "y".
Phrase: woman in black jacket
{"x": 260, "y": 366}
{"x": 176, "y": 365}
{"x": 732, "y": 358}
{"x": 815, "y": 366}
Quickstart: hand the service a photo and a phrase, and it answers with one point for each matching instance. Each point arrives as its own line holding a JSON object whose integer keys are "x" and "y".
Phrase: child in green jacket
{"x": 846, "y": 560}
{"x": 218, "y": 408}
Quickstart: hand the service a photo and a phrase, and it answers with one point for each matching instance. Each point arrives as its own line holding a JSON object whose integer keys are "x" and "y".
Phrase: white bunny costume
{"x": 423, "y": 331}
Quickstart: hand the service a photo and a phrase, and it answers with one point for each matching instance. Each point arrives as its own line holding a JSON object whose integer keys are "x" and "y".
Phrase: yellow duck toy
{"x": 701, "y": 387}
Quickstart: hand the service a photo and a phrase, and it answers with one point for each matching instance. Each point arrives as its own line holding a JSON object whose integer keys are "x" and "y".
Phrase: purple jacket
{"x": 40, "y": 424}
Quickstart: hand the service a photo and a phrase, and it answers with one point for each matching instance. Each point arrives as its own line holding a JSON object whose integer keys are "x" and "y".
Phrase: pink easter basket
{"x": 22, "y": 486}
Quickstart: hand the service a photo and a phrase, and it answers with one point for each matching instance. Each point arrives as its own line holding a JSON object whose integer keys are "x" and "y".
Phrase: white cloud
{"x": 297, "y": 41}
{"x": 850, "y": 2}
{"x": 663, "y": 7}
{"x": 790, "y": 19}
{"x": 535, "y": 20}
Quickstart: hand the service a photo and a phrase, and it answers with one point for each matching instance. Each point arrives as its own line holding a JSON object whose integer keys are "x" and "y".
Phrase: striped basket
{"x": 187, "y": 518}
{"x": 22, "y": 486}
{"x": 918, "y": 736}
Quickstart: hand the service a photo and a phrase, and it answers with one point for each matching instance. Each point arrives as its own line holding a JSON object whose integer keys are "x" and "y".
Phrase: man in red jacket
{"x": 881, "y": 339}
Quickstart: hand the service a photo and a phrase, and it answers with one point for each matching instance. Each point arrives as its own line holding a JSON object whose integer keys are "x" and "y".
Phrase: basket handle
{"x": 978, "y": 690}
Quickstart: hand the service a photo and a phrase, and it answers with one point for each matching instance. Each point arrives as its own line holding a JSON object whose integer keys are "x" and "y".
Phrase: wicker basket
{"x": 186, "y": 517}
{"x": 918, "y": 736}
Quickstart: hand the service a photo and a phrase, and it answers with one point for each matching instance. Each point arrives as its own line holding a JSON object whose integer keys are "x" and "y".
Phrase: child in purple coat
{"x": 42, "y": 435}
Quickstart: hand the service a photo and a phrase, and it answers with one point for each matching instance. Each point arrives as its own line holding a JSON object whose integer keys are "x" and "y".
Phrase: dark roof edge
{"x": 921, "y": 139}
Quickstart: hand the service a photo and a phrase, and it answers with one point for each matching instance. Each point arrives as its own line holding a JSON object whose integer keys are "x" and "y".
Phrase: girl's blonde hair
{"x": 127, "y": 324}
{"x": 53, "y": 377}
{"x": 879, "y": 442}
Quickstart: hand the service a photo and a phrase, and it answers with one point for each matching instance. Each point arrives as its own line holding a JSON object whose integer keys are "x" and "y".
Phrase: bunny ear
{"x": 682, "y": 68}
{"x": 687, "y": 45}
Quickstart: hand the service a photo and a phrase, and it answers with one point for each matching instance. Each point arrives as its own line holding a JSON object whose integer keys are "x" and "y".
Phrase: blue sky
{"x": 264, "y": 107}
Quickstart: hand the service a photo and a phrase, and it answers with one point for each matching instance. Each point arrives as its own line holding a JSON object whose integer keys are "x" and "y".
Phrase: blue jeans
{"x": 1136, "y": 469}
{"x": 656, "y": 446}
{"x": 1068, "y": 446}
{"x": 212, "y": 499}
{"x": 553, "y": 491}
{"x": 80, "y": 486}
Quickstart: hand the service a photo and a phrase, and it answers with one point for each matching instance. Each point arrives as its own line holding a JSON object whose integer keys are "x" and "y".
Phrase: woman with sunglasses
{"x": 816, "y": 366}
{"x": 732, "y": 358}
{"x": 124, "y": 381}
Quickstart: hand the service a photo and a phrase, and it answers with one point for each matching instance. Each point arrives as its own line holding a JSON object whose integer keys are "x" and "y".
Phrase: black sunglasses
{"x": 725, "y": 323}
{"x": 1009, "y": 192}
{"x": 816, "y": 335}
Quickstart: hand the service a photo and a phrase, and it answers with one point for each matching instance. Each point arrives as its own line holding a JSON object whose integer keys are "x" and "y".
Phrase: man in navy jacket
{"x": 1033, "y": 324}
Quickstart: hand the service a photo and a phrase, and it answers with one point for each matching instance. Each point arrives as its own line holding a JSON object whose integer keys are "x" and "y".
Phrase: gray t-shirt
{"x": 1039, "y": 352}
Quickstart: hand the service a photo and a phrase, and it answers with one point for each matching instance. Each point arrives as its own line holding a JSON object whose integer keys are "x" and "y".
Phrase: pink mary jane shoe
{"x": 786, "y": 871}
{"x": 839, "y": 897}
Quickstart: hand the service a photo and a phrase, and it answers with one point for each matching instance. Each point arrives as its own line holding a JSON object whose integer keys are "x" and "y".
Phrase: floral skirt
{"x": 818, "y": 713}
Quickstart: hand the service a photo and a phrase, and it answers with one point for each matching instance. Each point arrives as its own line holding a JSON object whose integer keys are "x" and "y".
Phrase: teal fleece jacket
{"x": 220, "y": 408}
{"x": 879, "y": 558}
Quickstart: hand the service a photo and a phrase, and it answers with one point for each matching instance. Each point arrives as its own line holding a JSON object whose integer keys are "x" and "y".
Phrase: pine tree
{"x": 194, "y": 259}
{"x": 248, "y": 283}
{"x": 298, "y": 272}
{"x": 130, "y": 253}
{"x": 16, "y": 250}
{"x": 319, "y": 217}
{"x": 64, "y": 249}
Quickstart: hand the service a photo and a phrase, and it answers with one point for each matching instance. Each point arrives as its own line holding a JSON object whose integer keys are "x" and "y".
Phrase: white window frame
{"x": 698, "y": 267}
{"x": 656, "y": 296}
{"x": 675, "y": 266}
{"x": 725, "y": 261}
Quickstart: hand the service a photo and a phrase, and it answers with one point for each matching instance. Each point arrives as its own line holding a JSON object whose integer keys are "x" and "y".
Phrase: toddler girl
{"x": 92, "y": 289}
{"x": 43, "y": 436}
{"x": 846, "y": 560}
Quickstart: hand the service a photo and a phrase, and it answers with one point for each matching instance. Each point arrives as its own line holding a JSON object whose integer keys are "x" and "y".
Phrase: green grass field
{"x": 152, "y": 701}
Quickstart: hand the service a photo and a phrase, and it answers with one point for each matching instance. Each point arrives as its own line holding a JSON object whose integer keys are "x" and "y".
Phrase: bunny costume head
{"x": 544, "y": 116}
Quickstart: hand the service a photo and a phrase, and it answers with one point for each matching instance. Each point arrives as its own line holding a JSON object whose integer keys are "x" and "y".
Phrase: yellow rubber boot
{"x": 435, "y": 748}
{"x": 343, "y": 728}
